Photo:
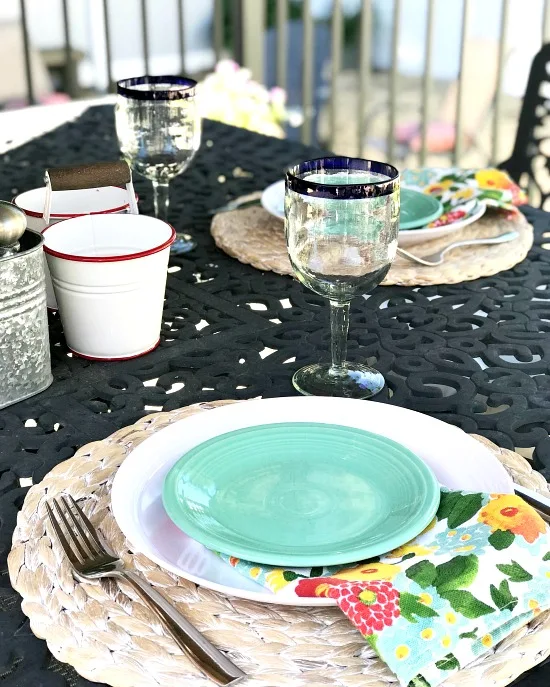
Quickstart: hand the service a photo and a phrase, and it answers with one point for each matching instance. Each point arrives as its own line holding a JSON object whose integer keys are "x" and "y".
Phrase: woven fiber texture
{"x": 109, "y": 636}
{"x": 256, "y": 238}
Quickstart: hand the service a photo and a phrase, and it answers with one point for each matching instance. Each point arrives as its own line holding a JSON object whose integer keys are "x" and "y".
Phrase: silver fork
{"x": 437, "y": 258}
{"x": 91, "y": 559}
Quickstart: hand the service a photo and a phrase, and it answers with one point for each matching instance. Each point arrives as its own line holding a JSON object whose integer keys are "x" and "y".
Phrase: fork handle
{"x": 413, "y": 258}
{"x": 199, "y": 650}
{"x": 502, "y": 238}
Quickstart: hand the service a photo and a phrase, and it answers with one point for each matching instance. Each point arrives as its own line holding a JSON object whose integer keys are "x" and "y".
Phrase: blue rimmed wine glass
{"x": 342, "y": 219}
{"x": 159, "y": 131}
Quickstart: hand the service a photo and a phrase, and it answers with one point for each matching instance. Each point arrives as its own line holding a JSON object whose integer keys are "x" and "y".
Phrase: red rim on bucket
{"x": 71, "y": 215}
{"x": 113, "y": 360}
{"x": 110, "y": 258}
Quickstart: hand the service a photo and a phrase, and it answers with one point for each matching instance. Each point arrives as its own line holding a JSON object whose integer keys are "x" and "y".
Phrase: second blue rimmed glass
{"x": 341, "y": 225}
{"x": 159, "y": 131}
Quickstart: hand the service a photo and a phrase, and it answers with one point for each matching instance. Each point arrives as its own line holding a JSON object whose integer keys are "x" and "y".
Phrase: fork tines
{"x": 71, "y": 526}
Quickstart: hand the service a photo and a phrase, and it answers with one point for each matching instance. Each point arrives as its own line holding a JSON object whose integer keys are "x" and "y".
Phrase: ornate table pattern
{"x": 475, "y": 354}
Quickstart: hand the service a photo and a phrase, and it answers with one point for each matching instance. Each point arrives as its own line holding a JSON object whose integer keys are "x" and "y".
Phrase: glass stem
{"x": 339, "y": 325}
{"x": 162, "y": 200}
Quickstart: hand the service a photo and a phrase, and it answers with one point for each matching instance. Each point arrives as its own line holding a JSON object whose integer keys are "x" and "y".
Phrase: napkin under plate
{"x": 457, "y": 188}
{"x": 477, "y": 572}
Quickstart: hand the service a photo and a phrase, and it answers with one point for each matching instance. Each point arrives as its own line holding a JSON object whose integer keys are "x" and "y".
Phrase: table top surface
{"x": 475, "y": 354}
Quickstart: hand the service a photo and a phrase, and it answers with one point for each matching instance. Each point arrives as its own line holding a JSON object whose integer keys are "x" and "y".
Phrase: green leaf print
{"x": 501, "y": 539}
{"x": 494, "y": 195}
{"x": 468, "y": 635}
{"x": 418, "y": 681}
{"x": 290, "y": 575}
{"x": 464, "y": 509}
{"x": 546, "y": 557}
{"x": 372, "y": 639}
{"x": 448, "y": 663}
{"x": 502, "y": 597}
{"x": 457, "y": 573}
{"x": 411, "y": 606}
{"x": 466, "y": 604}
{"x": 316, "y": 572}
{"x": 447, "y": 503}
{"x": 515, "y": 572}
{"x": 423, "y": 573}
{"x": 457, "y": 508}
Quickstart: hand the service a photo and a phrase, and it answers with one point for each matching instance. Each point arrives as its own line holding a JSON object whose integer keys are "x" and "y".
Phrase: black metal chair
{"x": 529, "y": 164}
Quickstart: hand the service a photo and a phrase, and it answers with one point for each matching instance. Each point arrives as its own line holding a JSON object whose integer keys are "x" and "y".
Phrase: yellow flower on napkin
{"x": 511, "y": 513}
{"x": 492, "y": 178}
{"x": 276, "y": 580}
{"x": 415, "y": 549}
{"x": 439, "y": 186}
{"x": 402, "y": 652}
{"x": 369, "y": 571}
{"x": 464, "y": 194}
{"x": 411, "y": 548}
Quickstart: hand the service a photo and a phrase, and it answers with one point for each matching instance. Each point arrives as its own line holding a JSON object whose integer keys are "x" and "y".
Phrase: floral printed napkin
{"x": 460, "y": 190}
{"x": 477, "y": 572}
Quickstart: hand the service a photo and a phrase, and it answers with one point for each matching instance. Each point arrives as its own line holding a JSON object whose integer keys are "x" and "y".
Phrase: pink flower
{"x": 371, "y": 606}
{"x": 278, "y": 95}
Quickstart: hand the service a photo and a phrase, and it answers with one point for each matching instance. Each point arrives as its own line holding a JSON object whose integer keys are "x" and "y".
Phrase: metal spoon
{"x": 13, "y": 223}
{"x": 438, "y": 258}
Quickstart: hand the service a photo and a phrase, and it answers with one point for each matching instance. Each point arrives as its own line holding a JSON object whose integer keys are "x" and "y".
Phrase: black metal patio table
{"x": 475, "y": 354}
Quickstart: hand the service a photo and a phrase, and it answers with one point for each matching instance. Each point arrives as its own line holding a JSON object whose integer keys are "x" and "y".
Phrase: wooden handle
{"x": 89, "y": 176}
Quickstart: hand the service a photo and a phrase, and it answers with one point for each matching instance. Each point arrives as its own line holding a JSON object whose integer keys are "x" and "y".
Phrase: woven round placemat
{"x": 256, "y": 238}
{"x": 109, "y": 636}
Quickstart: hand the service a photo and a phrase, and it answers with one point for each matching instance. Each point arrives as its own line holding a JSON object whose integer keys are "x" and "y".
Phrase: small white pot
{"x": 65, "y": 205}
{"x": 109, "y": 278}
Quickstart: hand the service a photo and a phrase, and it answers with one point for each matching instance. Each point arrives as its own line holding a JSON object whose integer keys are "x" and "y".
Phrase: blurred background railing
{"x": 410, "y": 81}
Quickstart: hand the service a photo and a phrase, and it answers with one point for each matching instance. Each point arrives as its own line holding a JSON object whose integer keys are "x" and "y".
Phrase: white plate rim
{"x": 267, "y": 198}
{"x": 121, "y": 494}
{"x": 409, "y": 237}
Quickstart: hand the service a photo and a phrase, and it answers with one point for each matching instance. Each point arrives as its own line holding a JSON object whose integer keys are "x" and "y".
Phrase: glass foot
{"x": 183, "y": 244}
{"x": 356, "y": 381}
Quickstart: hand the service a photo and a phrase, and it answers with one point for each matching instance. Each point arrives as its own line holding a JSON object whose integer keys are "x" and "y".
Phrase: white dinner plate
{"x": 410, "y": 237}
{"x": 458, "y": 461}
{"x": 273, "y": 200}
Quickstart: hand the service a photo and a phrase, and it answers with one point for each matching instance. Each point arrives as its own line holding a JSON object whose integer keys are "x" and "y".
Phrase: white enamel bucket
{"x": 109, "y": 278}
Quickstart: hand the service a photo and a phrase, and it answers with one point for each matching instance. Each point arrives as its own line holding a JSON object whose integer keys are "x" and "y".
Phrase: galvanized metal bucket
{"x": 25, "y": 367}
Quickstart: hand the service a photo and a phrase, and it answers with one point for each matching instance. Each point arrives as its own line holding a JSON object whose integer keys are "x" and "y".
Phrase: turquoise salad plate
{"x": 417, "y": 209}
{"x": 301, "y": 494}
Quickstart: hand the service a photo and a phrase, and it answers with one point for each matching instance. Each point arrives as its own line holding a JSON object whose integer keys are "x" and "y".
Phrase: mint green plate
{"x": 301, "y": 494}
{"x": 418, "y": 209}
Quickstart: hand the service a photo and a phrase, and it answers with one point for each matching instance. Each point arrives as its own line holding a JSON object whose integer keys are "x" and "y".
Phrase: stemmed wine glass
{"x": 342, "y": 219}
{"x": 159, "y": 131}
